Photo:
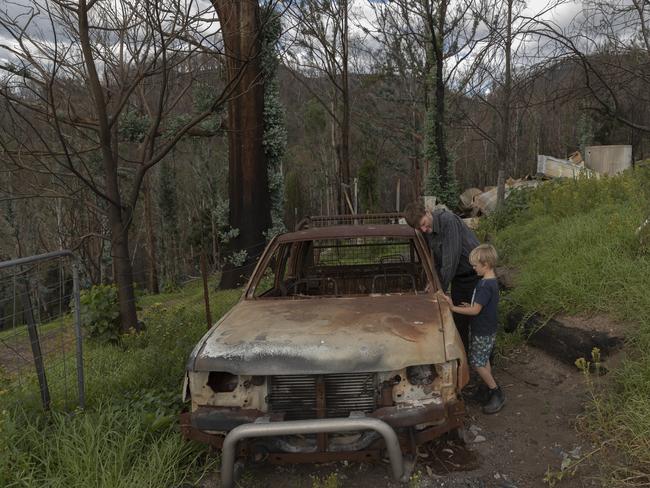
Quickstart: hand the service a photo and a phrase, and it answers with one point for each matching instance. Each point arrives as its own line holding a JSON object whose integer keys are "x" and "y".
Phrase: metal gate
{"x": 40, "y": 329}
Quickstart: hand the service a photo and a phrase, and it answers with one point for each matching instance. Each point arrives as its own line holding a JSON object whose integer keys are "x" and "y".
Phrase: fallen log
{"x": 563, "y": 342}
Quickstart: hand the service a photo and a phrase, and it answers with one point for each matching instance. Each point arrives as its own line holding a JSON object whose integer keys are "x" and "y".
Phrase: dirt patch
{"x": 16, "y": 351}
{"x": 533, "y": 434}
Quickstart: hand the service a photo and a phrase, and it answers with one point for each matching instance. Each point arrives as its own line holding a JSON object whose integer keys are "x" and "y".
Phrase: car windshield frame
{"x": 343, "y": 232}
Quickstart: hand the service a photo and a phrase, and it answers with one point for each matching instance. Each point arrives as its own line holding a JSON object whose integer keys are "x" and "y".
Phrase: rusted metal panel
{"x": 328, "y": 335}
{"x": 224, "y": 419}
{"x": 400, "y": 416}
{"x": 350, "y": 219}
{"x": 192, "y": 433}
{"x": 608, "y": 160}
{"x": 348, "y": 232}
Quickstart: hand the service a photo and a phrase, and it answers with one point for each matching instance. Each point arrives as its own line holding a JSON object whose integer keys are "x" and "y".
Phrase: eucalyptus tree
{"x": 320, "y": 40}
{"x": 501, "y": 84}
{"x": 431, "y": 41}
{"x": 244, "y": 26}
{"x": 98, "y": 92}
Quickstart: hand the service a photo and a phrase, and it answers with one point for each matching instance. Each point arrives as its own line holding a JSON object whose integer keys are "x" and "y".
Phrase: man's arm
{"x": 452, "y": 245}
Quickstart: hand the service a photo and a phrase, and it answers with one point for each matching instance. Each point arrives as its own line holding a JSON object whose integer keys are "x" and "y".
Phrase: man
{"x": 451, "y": 242}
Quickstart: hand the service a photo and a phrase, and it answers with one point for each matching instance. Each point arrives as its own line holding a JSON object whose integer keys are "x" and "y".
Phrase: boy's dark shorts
{"x": 480, "y": 349}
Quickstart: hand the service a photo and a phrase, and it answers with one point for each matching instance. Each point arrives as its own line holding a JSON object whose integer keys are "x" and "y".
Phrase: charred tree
{"x": 248, "y": 191}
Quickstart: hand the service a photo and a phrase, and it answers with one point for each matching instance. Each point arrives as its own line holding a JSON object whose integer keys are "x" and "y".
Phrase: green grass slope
{"x": 128, "y": 435}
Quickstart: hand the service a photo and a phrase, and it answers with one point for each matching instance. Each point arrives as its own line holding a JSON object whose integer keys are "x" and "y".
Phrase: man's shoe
{"x": 496, "y": 402}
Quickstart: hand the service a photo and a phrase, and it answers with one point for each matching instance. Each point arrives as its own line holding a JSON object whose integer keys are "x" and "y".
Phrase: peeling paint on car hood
{"x": 324, "y": 335}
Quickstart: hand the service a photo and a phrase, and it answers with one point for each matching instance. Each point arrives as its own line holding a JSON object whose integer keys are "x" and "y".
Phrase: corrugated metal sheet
{"x": 608, "y": 160}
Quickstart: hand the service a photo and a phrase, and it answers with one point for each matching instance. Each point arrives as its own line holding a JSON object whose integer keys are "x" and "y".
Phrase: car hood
{"x": 324, "y": 335}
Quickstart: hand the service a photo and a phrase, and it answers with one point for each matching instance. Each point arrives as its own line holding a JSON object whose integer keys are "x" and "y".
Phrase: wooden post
{"x": 206, "y": 293}
{"x": 397, "y": 194}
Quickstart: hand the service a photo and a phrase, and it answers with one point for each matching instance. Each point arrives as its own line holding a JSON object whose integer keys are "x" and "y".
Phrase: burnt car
{"x": 341, "y": 347}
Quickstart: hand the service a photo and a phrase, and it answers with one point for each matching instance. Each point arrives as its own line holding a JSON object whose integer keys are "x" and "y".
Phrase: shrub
{"x": 100, "y": 313}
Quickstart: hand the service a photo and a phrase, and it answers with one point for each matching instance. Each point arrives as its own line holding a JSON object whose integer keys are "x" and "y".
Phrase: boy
{"x": 483, "y": 327}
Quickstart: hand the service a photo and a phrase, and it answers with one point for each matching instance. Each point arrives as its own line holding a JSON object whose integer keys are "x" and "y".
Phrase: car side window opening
{"x": 343, "y": 267}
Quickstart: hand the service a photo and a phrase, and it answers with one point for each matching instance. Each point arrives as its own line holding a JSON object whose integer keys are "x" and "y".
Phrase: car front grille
{"x": 296, "y": 395}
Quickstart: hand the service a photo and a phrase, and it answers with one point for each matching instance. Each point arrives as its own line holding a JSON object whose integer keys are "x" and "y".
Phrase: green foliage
{"x": 275, "y": 132}
{"x": 576, "y": 243}
{"x": 315, "y": 118}
{"x": 585, "y": 131}
{"x": 133, "y": 126}
{"x": 128, "y": 435}
{"x": 175, "y": 123}
{"x": 368, "y": 186}
{"x": 332, "y": 480}
{"x": 107, "y": 447}
{"x": 514, "y": 205}
{"x": 100, "y": 314}
{"x": 576, "y": 250}
{"x": 433, "y": 185}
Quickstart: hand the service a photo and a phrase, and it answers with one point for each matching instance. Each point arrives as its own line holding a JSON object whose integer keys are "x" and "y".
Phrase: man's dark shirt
{"x": 451, "y": 242}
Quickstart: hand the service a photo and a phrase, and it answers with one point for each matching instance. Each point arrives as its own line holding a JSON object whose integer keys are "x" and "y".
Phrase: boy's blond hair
{"x": 484, "y": 254}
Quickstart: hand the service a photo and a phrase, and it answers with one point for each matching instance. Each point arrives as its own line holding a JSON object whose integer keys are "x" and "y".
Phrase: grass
{"x": 20, "y": 331}
{"x": 575, "y": 247}
{"x": 127, "y": 436}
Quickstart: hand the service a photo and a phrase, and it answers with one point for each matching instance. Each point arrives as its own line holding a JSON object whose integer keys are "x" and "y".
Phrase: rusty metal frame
{"x": 347, "y": 231}
{"x": 264, "y": 428}
{"x": 347, "y": 219}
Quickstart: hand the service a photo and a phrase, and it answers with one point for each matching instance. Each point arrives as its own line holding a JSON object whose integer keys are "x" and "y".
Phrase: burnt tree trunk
{"x": 345, "y": 100}
{"x": 250, "y": 203}
{"x": 438, "y": 37}
{"x": 504, "y": 146}
{"x": 562, "y": 341}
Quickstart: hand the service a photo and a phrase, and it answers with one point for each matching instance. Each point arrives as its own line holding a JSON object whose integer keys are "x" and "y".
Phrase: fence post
{"x": 206, "y": 293}
{"x": 77, "y": 330}
{"x": 36, "y": 348}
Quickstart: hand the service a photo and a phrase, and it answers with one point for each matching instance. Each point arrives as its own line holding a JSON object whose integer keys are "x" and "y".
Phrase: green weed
{"x": 127, "y": 436}
{"x": 577, "y": 252}
{"x": 332, "y": 480}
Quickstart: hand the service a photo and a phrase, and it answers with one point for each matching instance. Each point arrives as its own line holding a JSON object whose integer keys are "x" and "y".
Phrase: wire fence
{"x": 46, "y": 348}
{"x": 40, "y": 334}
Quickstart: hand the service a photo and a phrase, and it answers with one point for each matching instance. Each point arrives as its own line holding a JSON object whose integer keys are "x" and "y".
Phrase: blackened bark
{"x": 123, "y": 277}
{"x": 345, "y": 99}
{"x": 250, "y": 203}
{"x": 439, "y": 123}
{"x": 561, "y": 341}
{"x": 504, "y": 146}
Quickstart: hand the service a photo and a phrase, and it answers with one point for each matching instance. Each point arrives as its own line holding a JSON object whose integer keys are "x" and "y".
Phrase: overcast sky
{"x": 562, "y": 16}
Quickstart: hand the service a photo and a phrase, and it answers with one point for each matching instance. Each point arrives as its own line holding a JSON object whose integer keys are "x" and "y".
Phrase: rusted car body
{"x": 342, "y": 322}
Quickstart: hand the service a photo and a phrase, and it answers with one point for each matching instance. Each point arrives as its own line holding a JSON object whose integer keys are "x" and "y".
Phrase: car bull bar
{"x": 263, "y": 427}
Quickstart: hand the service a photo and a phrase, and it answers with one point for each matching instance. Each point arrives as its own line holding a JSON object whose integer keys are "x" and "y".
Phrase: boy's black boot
{"x": 496, "y": 402}
{"x": 481, "y": 395}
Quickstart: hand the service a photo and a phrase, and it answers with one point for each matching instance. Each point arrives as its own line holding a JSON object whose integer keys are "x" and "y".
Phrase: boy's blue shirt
{"x": 486, "y": 293}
